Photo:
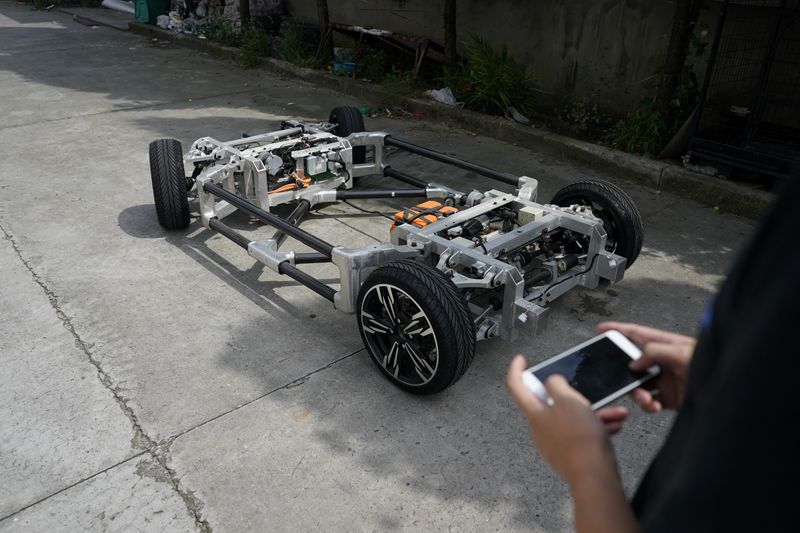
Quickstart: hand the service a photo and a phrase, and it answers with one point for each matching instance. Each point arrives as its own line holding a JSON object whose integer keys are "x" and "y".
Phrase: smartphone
{"x": 597, "y": 368}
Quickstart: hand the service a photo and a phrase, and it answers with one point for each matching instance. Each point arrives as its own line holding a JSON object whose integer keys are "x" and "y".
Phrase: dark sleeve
{"x": 730, "y": 462}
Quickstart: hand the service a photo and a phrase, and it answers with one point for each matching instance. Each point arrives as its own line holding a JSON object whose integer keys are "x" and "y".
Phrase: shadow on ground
{"x": 346, "y": 434}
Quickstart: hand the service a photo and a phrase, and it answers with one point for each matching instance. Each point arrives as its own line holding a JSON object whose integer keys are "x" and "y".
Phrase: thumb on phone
{"x": 667, "y": 355}
{"x": 558, "y": 387}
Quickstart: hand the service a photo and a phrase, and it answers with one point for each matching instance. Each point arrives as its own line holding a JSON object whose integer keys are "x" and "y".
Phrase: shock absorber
{"x": 544, "y": 275}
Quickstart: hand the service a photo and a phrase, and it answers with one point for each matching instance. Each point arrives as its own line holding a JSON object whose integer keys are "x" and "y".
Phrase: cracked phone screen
{"x": 596, "y": 371}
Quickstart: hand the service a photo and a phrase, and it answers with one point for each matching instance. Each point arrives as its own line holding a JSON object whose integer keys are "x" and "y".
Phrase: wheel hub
{"x": 400, "y": 335}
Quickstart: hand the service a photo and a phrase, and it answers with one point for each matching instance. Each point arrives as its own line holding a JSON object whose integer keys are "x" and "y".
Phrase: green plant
{"x": 255, "y": 44}
{"x": 371, "y": 63}
{"x": 641, "y": 132}
{"x": 492, "y": 81}
{"x": 291, "y": 46}
{"x": 223, "y": 31}
{"x": 457, "y": 78}
{"x": 647, "y": 131}
{"x": 396, "y": 86}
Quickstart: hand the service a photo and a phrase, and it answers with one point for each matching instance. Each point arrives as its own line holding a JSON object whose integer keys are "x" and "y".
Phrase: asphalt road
{"x": 162, "y": 381}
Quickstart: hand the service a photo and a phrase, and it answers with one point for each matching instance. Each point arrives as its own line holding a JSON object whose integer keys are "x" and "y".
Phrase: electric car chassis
{"x": 459, "y": 267}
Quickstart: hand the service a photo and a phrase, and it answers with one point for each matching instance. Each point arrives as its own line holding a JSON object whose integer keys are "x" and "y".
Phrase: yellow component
{"x": 423, "y": 214}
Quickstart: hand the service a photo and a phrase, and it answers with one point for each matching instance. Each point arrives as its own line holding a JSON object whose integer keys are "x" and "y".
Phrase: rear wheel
{"x": 169, "y": 183}
{"x": 621, "y": 218}
{"x": 416, "y": 326}
{"x": 349, "y": 120}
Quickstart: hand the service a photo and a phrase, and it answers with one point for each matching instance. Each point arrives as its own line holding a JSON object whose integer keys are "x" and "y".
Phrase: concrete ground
{"x": 162, "y": 381}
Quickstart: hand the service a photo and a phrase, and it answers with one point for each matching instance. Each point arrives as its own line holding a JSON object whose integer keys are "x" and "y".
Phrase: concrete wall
{"x": 602, "y": 51}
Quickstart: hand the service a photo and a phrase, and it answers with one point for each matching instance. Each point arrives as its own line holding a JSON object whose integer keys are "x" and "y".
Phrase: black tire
{"x": 621, "y": 218}
{"x": 169, "y": 183}
{"x": 349, "y": 120}
{"x": 432, "y": 333}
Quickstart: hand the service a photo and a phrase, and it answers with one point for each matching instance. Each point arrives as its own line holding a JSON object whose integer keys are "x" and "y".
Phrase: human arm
{"x": 572, "y": 439}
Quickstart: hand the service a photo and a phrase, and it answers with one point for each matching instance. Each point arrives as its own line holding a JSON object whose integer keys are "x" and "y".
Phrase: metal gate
{"x": 749, "y": 113}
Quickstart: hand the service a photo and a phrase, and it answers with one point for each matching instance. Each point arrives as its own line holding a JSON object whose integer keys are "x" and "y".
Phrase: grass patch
{"x": 395, "y": 87}
{"x": 256, "y": 43}
{"x": 223, "y": 31}
{"x": 291, "y": 46}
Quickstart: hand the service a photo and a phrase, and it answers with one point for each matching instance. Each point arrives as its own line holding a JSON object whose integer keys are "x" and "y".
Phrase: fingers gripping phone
{"x": 597, "y": 368}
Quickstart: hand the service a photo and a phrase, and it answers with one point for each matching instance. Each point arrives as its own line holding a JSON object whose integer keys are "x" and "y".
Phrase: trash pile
{"x": 183, "y": 20}
{"x": 446, "y": 96}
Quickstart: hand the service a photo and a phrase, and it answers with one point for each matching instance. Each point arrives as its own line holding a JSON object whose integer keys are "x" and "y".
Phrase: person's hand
{"x": 613, "y": 418}
{"x": 568, "y": 434}
{"x": 671, "y": 351}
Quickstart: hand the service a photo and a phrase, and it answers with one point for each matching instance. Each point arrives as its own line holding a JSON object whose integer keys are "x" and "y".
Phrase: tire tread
{"x": 169, "y": 183}
{"x": 349, "y": 120}
{"x": 630, "y": 224}
{"x": 445, "y": 304}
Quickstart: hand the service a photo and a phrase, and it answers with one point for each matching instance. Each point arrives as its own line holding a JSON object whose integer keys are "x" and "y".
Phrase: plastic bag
{"x": 444, "y": 96}
{"x": 163, "y": 21}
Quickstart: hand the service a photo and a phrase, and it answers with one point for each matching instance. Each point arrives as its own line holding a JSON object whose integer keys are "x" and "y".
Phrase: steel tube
{"x": 310, "y": 257}
{"x": 293, "y": 231}
{"x": 226, "y": 231}
{"x": 402, "y": 176}
{"x": 303, "y": 206}
{"x": 402, "y": 193}
{"x": 450, "y": 160}
{"x": 305, "y": 279}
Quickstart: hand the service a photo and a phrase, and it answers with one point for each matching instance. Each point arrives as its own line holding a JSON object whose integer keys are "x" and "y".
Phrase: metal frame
{"x": 753, "y": 63}
{"x": 233, "y": 175}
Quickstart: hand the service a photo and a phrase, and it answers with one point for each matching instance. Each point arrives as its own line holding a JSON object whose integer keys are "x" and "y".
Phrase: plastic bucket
{"x": 344, "y": 67}
{"x": 147, "y": 11}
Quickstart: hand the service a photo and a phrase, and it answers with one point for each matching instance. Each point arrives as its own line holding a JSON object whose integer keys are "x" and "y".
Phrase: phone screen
{"x": 596, "y": 371}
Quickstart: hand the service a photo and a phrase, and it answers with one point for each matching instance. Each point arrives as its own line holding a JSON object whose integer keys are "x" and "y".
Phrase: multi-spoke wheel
{"x": 621, "y": 219}
{"x": 416, "y": 326}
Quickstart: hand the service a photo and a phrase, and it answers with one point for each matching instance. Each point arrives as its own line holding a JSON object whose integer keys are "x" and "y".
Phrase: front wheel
{"x": 416, "y": 326}
{"x": 609, "y": 203}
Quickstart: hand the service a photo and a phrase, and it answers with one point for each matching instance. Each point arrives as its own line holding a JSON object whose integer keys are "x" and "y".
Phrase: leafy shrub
{"x": 291, "y": 46}
{"x": 491, "y": 81}
{"x": 223, "y": 31}
{"x": 255, "y": 44}
{"x": 395, "y": 86}
{"x": 646, "y": 130}
{"x": 641, "y": 132}
{"x": 371, "y": 63}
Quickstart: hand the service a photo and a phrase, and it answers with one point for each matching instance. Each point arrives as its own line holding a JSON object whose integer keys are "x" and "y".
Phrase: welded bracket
{"x": 267, "y": 252}
{"x": 355, "y": 264}
{"x": 527, "y": 188}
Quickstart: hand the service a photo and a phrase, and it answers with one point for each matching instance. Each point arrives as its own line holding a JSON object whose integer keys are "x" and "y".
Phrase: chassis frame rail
{"x": 521, "y": 304}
